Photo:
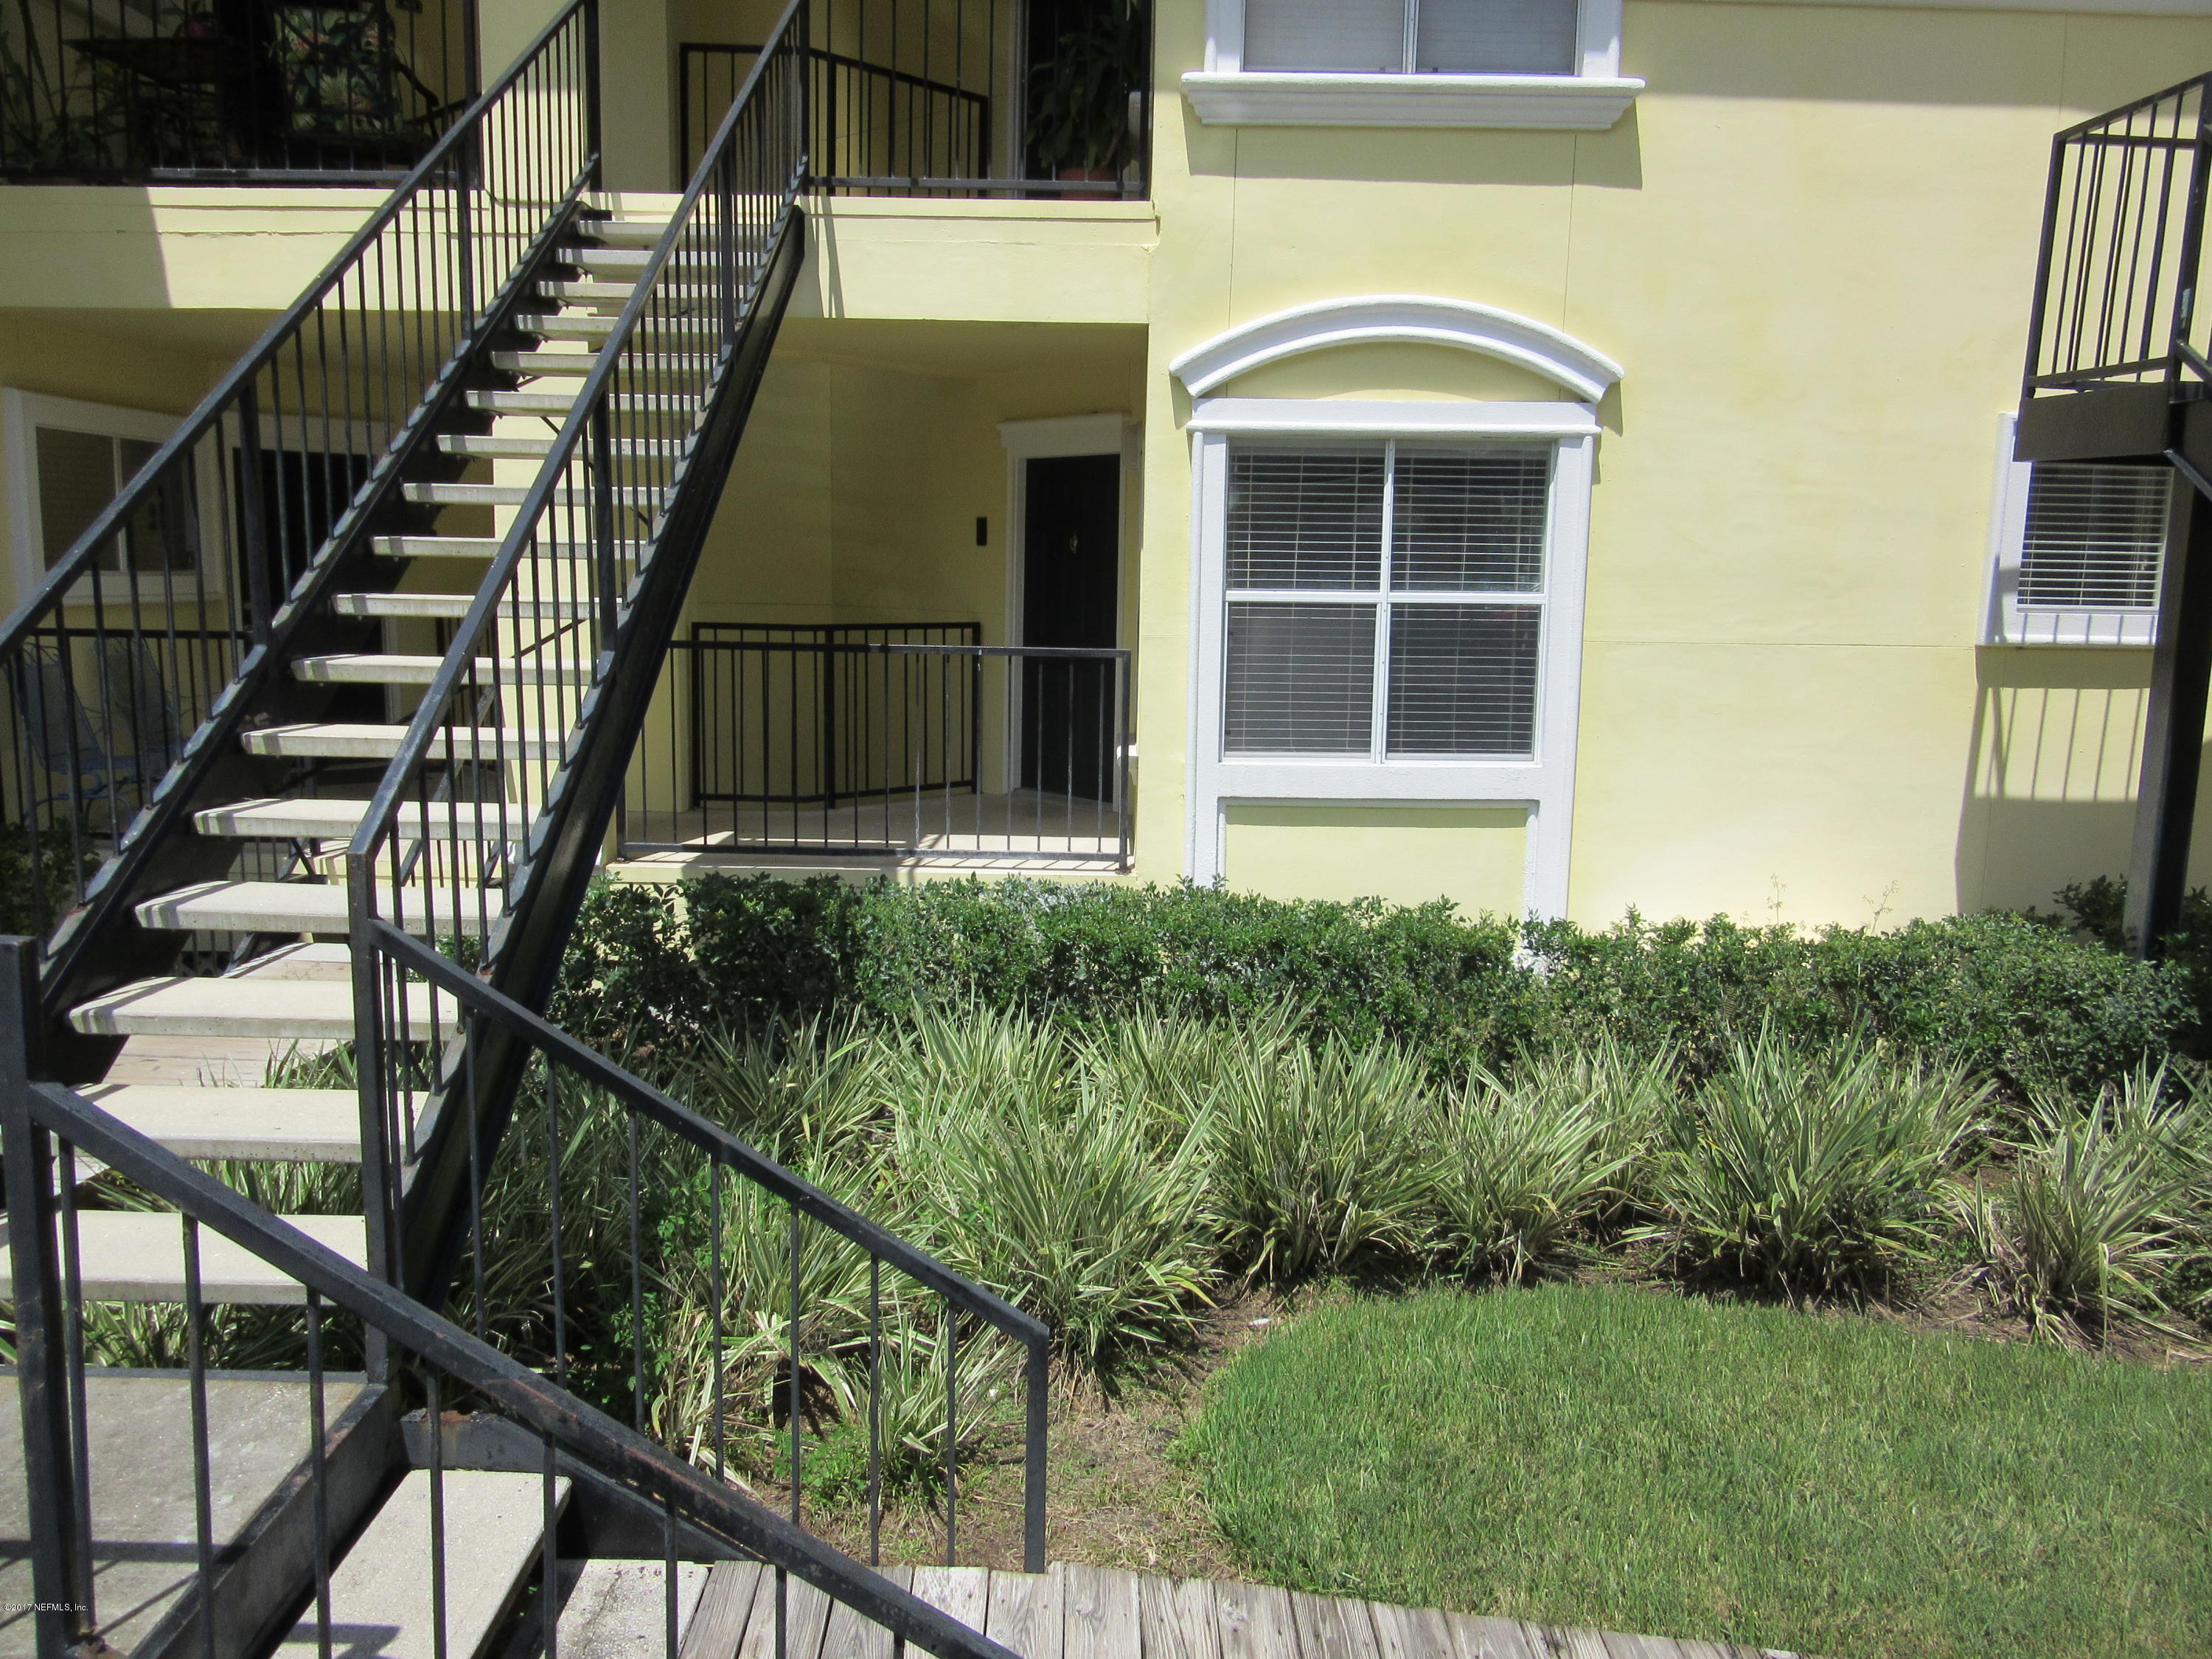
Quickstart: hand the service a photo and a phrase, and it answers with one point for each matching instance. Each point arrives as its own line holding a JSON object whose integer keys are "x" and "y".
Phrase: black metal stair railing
{"x": 173, "y": 618}
{"x": 461, "y": 1385}
{"x": 2122, "y": 259}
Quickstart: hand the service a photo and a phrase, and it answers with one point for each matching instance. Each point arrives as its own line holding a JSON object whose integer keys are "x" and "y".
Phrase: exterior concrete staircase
{"x": 304, "y": 994}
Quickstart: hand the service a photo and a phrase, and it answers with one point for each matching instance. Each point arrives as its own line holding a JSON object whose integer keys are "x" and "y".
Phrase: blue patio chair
{"x": 110, "y": 734}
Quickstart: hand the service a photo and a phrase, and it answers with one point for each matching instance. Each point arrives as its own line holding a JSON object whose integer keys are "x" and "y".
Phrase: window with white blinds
{"x": 2093, "y": 537}
{"x": 1429, "y": 37}
{"x": 1385, "y": 599}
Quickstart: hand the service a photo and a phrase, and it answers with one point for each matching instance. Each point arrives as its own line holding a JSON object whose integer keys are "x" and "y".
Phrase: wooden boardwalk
{"x": 1099, "y": 1613}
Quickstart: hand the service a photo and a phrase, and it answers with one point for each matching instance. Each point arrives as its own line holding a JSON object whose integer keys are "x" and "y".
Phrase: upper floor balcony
{"x": 992, "y": 98}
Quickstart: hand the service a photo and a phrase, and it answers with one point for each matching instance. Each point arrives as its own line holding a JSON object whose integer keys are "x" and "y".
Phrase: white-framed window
{"x": 1388, "y": 610}
{"x": 2077, "y": 551}
{"x": 1413, "y": 63}
{"x": 67, "y": 459}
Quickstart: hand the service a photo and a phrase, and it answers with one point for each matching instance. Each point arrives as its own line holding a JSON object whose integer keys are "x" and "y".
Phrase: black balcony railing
{"x": 2123, "y": 255}
{"x": 916, "y": 741}
{"x": 958, "y": 97}
{"x": 336, "y": 91}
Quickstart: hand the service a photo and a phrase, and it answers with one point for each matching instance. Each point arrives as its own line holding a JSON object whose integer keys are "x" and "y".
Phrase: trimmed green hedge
{"x": 2016, "y": 997}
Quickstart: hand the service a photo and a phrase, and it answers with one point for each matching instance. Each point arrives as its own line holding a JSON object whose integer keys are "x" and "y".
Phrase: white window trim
{"x": 1542, "y": 785}
{"x": 1225, "y": 93}
{"x": 2005, "y": 620}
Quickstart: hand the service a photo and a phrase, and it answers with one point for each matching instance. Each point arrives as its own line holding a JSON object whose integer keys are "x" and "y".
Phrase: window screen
{"x": 1495, "y": 37}
{"x": 1301, "y": 679}
{"x": 79, "y": 472}
{"x": 1448, "y": 37}
{"x": 1385, "y": 599}
{"x": 2095, "y": 537}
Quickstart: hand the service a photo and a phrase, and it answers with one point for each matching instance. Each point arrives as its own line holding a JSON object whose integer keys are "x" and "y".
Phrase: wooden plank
{"x": 806, "y": 1615}
{"x": 1098, "y": 1612}
{"x": 1413, "y": 1632}
{"x": 1256, "y": 1622}
{"x": 1331, "y": 1628}
{"x": 1177, "y": 1620}
{"x": 848, "y": 1635}
{"x": 1561, "y": 1643}
{"x": 1620, "y": 1646}
{"x": 1492, "y": 1639}
{"x": 717, "y": 1623}
{"x": 1024, "y": 1613}
{"x": 962, "y": 1592}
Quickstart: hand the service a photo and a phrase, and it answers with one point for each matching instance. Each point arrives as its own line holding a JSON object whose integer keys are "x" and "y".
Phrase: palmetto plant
{"x": 1076, "y": 1218}
{"x": 1527, "y": 1165}
{"x": 2107, "y": 1195}
{"x": 1319, "y": 1155}
{"x": 1810, "y": 1172}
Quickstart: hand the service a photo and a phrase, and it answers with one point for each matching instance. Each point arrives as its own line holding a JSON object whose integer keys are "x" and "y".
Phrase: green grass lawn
{"x": 1609, "y": 1457}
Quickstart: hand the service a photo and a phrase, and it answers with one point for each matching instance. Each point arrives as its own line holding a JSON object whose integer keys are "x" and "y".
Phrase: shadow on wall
{"x": 2051, "y": 779}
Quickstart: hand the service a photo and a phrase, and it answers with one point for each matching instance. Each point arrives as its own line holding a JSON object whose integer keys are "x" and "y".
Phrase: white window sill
{"x": 2108, "y": 629}
{"x": 1570, "y": 103}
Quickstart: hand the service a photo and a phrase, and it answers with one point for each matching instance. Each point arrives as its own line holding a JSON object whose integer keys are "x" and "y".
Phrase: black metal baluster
{"x": 318, "y": 1434}
{"x": 203, "y": 1483}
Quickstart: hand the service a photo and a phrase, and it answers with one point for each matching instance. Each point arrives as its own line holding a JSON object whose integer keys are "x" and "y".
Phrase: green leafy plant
{"x": 1318, "y": 1155}
{"x": 1079, "y": 96}
{"x": 1528, "y": 1165}
{"x": 1811, "y": 1171}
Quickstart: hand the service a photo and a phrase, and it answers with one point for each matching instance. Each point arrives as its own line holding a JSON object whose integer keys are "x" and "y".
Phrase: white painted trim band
{"x": 1398, "y": 319}
{"x": 1566, "y": 103}
{"x": 1352, "y": 415}
{"x": 1064, "y": 434}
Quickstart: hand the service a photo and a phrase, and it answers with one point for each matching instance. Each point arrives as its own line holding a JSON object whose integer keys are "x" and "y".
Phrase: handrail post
{"x": 591, "y": 93}
{"x": 253, "y": 521}
{"x": 1033, "y": 1456}
{"x": 41, "y": 1385}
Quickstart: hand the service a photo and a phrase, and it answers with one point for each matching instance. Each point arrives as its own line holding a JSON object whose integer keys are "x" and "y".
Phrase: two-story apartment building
{"x": 1550, "y": 454}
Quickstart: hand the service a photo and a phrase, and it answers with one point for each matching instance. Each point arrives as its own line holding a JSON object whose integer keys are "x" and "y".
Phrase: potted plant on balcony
{"x": 1081, "y": 121}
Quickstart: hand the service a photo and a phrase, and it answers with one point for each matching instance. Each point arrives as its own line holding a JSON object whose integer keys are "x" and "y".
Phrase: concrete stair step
{"x": 560, "y": 403}
{"x": 324, "y": 819}
{"x": 381, "y": 1603}
{"x": 628, "y": 232}
{"x": 532, "y": 449}
{"x": 376, "y": 668}
{"x": 483, "y": 494}
{"x": 299, "y": 906}
{"x": 305, "y": 1010}
{"x": 132, "y": 1255}
{"x": 573, "y": 560}
{"x": 451, "y": 607}
{"x": 335, "y": 740}
{"x": 631, "y": 261}
{"x": 619, "y": 1609}
{"x": 666, "y": 365}
{"x": 283, "y": 1126}
{"x": 597, "y": 325}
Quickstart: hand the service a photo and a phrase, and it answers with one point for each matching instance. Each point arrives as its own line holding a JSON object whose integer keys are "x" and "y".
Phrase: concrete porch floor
{"x": 971, "y": 830}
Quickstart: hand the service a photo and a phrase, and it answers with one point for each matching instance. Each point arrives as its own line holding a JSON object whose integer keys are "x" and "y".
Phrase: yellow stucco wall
{"x": 1810, "y": 243}
{"x": 1474, "y": 856}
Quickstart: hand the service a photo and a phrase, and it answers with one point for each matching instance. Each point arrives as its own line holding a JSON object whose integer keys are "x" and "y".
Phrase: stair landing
{"x": 145, "y": 1539}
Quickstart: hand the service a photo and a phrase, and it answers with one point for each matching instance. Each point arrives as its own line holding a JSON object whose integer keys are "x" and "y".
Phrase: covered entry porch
{"x": 910, "y": 638}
